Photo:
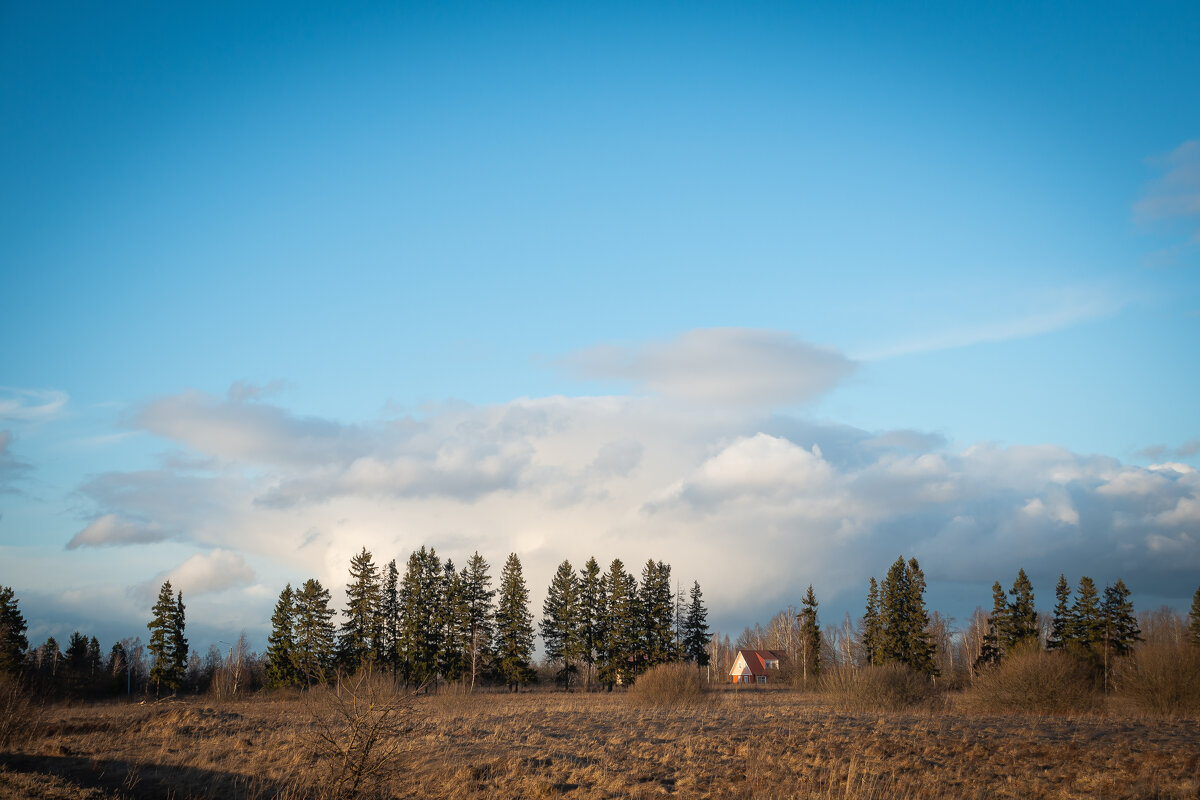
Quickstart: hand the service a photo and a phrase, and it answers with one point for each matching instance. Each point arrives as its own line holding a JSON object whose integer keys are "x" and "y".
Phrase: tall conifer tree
{"x": 656, "y": 603}
{"x": 993, "y": 641}
{"x": 13, "y": 642}
{"x": 810, "y": 632}
{"x": 621, "y": 643}
{"x": 514, "y": 626}
{"x": 388, "y": 651}
{"x": 313, "y": 631}
{"x": 695, "y": 628}
{"x": 1087, "y": 627}
{"x": 357, "y": 640}
{"x": 162, "y": 641}
{"x": 872, "y": 627}
{"x": 281, "y": 644}
{"x": 1060, "y": 625}
{"x": 1194, "y": 626}
{"x": 1022, "y": 614}
{"x": 480, "y": 615}
{"x": 591, "y": 615}
{"x": 560, "y": 620}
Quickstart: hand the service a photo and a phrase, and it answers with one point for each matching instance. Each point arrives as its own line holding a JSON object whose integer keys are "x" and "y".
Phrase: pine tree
{"x": 872, "y": 627}
{"x": 591, "y": 616}
{"x": 921, "y": 645}
{"x": 388, "y": 650}
{"x": 993, "y": 641}
{"x": 480, "y": 615}
{"x": 560, "y": 620}
{"x": 13, "y": 642}
{"x": 695, "y": 628}
{"x": 162, "y": 640}
{"x": 179, "y": 643}
{"x": 357, "y": 640}
{"x": 1194, "y": 626}
{"x": 514, "y": 626}
{"x": 313, "y": 632}
{"x": 1087, "y": 627}
{"x": 1060, "y": 626}
{"x": 810, "y": 634}
{"x": 904, "y": 618}
{"x": 1022, "y": 614}
{"x": 656, "y": 604}
{"x": 281, "y": 644}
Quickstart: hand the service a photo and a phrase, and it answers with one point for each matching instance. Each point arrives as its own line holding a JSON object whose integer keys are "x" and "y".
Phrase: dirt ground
{"x": 752, "y": 743}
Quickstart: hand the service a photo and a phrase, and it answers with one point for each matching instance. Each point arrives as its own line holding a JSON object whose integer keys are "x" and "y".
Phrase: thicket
{"x": 674, "y": 685}
{"x": 1031, "y": 680}
{"x": 883, "y": 687}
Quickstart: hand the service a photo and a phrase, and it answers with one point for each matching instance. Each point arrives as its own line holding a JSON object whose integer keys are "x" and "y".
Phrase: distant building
{"x": 753, "y": 666}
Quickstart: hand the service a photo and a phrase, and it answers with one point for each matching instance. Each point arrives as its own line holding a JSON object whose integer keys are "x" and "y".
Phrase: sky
{"x": 775, "y": 293}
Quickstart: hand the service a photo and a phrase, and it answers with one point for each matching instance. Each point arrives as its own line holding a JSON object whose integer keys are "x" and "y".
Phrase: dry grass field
{"x": 749, "y": 743}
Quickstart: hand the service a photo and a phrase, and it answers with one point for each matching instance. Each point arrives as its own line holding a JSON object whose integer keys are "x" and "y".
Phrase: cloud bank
{"x": 752, "y": 505}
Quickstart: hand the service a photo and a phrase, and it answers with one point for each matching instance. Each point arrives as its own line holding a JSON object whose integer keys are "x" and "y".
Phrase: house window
{"x": 762, "y": 678}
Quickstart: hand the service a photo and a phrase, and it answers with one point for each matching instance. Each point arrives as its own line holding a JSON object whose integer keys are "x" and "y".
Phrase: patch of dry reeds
{"x": 1161, "y": 679}
{"x": 670, "y": 686}
{"x": 1033, "y": 681}
{"x": 888, "y": 687}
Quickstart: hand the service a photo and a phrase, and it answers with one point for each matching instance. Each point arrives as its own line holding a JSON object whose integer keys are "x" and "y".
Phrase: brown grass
{"x": 762, "y": 744}
{"x": 1035, "y": 682}
{"x": 1161, "y": 679}
{"x": 671, "y": 686}
{"x": 890, "y": 687}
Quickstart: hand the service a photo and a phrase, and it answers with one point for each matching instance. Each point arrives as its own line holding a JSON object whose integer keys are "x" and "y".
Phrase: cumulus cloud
{"x": 731, "y": 366}
{"x": 205, "y": 573}
{"x": 30, "y": 405}
{"x": 785, "y": 500}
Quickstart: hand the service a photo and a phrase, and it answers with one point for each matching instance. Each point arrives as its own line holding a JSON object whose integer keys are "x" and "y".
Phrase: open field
{"x": 541, "y": 744}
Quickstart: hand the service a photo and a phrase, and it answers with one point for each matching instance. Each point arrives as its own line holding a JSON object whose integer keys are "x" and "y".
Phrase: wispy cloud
{"x": 30, "y": 405}
{"x": 726, "y": 366}
{"x": 11, "y": 468}
{"x": 1074, "y": 309}
{"x": 1172, "y": 200}
{"x": 1156, "y": 452}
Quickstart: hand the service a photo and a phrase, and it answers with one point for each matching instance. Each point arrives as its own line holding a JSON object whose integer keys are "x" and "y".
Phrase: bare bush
{"x": 1162, "y": 678}
{"x": 360, "y": 722}
{"x": 20, "y": 716}
{"x": 890, "y": 687}
{"x": 670, "y": 686}
{"x": 1035, "y": 681}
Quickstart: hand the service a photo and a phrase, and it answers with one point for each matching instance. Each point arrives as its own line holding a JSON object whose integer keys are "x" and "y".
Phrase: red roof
{"x": 757, "y": 660}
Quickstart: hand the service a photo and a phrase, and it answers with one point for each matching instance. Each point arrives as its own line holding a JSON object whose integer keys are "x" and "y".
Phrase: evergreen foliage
{"x": 358, "y": 639}
{"x": 420, "y": 635}
{"x": 514, "y": 626}
{"x": 1022, "y": 626}
{"x": 1087, "y": 627}
{"x": 993, "y": 641}
{"x": 621, "y": 644}
{"x": 281, "y": 644}
{"x": 656, "y": 602}
{"x": 1194, "y": 626}
{"x": 452, "y": 624}
{"x": 479, "y": 619}
{"x": 591, "y": 610}
{"x": 313, "y": 632}
{"x": 810, "y": 634}
{"x": 560, "y": 620}
{"x": 1060, "y": 625}
{"x": 388, "y": 647}
{"x": 872, "y": 627}
{"x": 695, "y": 628}
{"x": 13, "y": 642}
{"x": 1120, "y": 625}
{"x": 904, "y": 618}
{"x": 166, "y": 636}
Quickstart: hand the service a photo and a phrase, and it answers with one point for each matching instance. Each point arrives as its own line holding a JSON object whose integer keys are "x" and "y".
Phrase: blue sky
{"x": 387, "y": 231}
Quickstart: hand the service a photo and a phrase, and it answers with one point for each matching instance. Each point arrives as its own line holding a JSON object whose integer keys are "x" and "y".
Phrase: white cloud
{"x": 206, "y": 573}
{"x": 727, "y": 366}
{"x": 30, "y": 405}
{"x": 110, "y": 530}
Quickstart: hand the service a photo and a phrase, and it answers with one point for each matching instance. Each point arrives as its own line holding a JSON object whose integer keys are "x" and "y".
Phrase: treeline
{"x": 436, "y": 624}
{"x": 1098, "y": 628}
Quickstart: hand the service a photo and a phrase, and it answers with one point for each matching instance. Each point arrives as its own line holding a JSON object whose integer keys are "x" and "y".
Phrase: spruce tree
{"x": 1060, "y": 626}
{"x": 281, "y": 644}
{"x": 872, "y": 627}
{"x": 591, "y": 616}
{"x": 1087, "y": 626}
{"x": 514, "y": 626}
{"x": 621, "y": 642}
{"x": 13, "y": 642}
{"x": 452, "y": 622}
{"x": 810, "y": 634}
{"x": 162, "y": 640}
{"x": 359, "y": 634}
{"x": 993, "y": 641}
{"x": 904, "y": 618}
{"x": 479, "y": 615}
{"x": 179, "y": 643}
{"x": 695, "y": 628}
{"x": 560, "y": 620}
{"x": 420, "y": 636}
{"x": 313, "y": 631}
{"x": 388, "y": 649}
{"x": 656, "y": 604}
{"x": 1022, "y": 614}
{"x": 1120, "y": 624}
{"x": 1194, "y": 626}
{"x": 921, "y": 646}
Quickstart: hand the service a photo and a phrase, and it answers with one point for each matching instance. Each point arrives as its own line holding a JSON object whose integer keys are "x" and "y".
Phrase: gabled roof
{"x": 757, "y": 660}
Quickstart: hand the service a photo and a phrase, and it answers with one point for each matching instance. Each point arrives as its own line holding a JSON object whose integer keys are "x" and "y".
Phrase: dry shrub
{"x": 1162, "y": 679}
{"x": 670, "y": 686}
{"x": 20, "y": 716}
{"x": 360, "y": 722}
{"x": 1035, "y": 681}
{"x": 889, "y": 687}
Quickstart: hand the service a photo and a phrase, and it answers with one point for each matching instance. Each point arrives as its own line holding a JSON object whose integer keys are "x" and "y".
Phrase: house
{"x": 753, "y": 666}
